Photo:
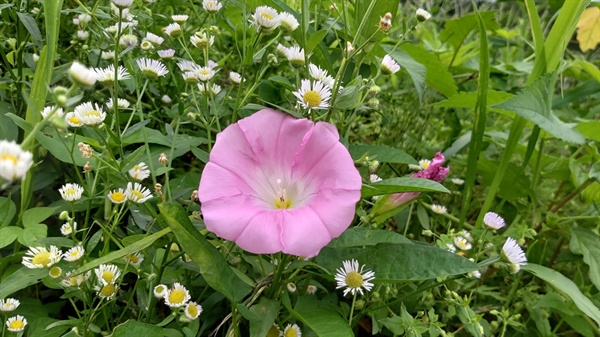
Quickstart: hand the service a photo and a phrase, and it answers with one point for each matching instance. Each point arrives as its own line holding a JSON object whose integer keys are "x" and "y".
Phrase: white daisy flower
{"x": 281, "y": 50}
{"x": 423, "y": 15}
{"x": 353, "y": 278}
{"x": 128, "y": 41}
{"x": 493, "y": 221}
{"x": 122, "y": 3}
{"x": 212, "y": 64}
{"x": 205, "y": 73}
{"x": 14, "y": 162}
{"x": 190, "y": 77}
{"x": 74, "y": 254}
{"x": 121, "y": 103}
{"x": 467, "y": 235}
{"x": 235, "y": 77}
{"x": 107, "y": 75}
{"x": 139, "y": 171}
{"x": 424, "y": 163}
{"x": 90, "y": 114}
{"x": 295, "y": 55}
{"x": 160, "y": 291}
{"x": 451, "y": 248}
{"x": 180, "y": 18}
{"x": 73, "y": 120}
{"x": 439, "y": 209}
{"x": 41, "y": 257}
{"x": 9, "y": 304}
{"x": 134, "y": 259}
{"x": 211, "y": 6}
{"x": 173, "y": 30}
{"x": 117, "y": 196}
{"x": 55, "y": 272}
{"x": 192, "y": 310}
{"x": 106, "y": 291}
{"x": 71, "y": 280}
{"x": 185, "y": 65}
{"x": 154, "y": 39}
{"x": 47, "y": 110}
{"x": 71, "y": 192}
{"x": 462, "y": 243}
{"x": 288, "y": 21}
{"x": 266, "y": 19}
{"x": 209, "y": 89}
{"x": 457, "y": 181}
{"x": 137, "y": 193}
{"x": 81, "y": 75}
{"x": 107, "y": 55}
{"x": 83, "y": 35}
{"x": 373, "y": 178}
{"x": 16, "y": 323}
{"x": 166, "y": 54}
{"x": 415, "y": 167}
{"x": 107, "y": 273}
{"x": 314, "y": 95}
{"x": 311, "y": 289}
{"x": 202, "y": 40}
{"x": 177, "y": 296}
{"x": 292, "y": 331}
{"x": 151, "y": 68}
{"x": 389, "y": 66}
{"x": 513, "y": 254}
{"x": 67, "y": 228}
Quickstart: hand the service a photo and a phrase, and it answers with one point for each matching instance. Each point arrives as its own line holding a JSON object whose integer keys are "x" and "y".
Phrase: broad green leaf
{"x": 321, "y": 317}
{"x": 415, "y": 70}
{"x": 36, "y": 215}
{"x": 533, "y": 103}
{"x": 349, "y": 98}
{"x": 402, "y": 184}
{"x": 213, "y": 267}
{"x": 456, "y": 30}
{"x": 8, "y": 209}
{"x": 8, "y": 130}
{"x": 437, "y": 75}
{"x": 590, "y": 129}
{"x": 29, "y": 23}
{"x": 584, "y": 241}
{"x": 117, "y": 254}
{"x": 9, "y": 234}
{"x": 135, "y": 328}
{"x": 568, "y": 287}
{"x": 381, "y": 153}
{"x": 267, "y": 310}
{"x": 467, "y": 100}
{"x": 396, "y": 262}
{"x": 314, "y": 39}
{"x": 595, "y": 172}
{"x": 32, "y": 233}
{"x": 20, "y": 279}
{"x": 361, "y": 236}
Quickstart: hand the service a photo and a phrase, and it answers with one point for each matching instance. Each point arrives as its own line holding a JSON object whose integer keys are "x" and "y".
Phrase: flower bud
{"x": 64, "y": 215}
{"x": 385, "y": 24}
{"x": 163, "y": 159}
{"x": 291, "y": 287}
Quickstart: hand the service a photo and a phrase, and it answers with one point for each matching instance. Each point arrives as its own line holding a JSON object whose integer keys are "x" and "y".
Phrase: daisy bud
{"x": 85, "y": 150}
{"x": 385, "y": 24}
{"x": 333, "y": 8}
{"x": 423, "y": 15}
{"x": 373, "y": 90}
{"x": 291, "y": 287}
{"x": 349, "y": 48}
{"x": 311, "y": 289}
{"x": 166, "y": 99}
{"x": 81, "y": 75}
{"x": 389, "y": 65}
{"x": 373, "y": 102}
{"x": 35, "y": 57}
{"x": 194, "y": 196}
{"x": 163, "y": 159}
{"x": 64, "y": 215}
{"x": 87, "y": 167}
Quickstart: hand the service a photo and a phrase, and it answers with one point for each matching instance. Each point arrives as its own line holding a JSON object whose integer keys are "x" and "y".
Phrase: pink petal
{"x": 262, "y": 234}
{"x": 303, "y": 232}
{"x": 221, "y": 220}
{"x": 335, "y": 209}
{"x": 220, "y": 182}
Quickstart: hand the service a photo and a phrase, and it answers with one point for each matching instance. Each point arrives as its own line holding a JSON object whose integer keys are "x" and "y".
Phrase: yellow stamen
{"x": 176, "y": 296}
{"x": 312, "y": 99}
{"x": 42, "y": 258}
{"x": 11, "y": 157}
{"x": 354, "y": 279}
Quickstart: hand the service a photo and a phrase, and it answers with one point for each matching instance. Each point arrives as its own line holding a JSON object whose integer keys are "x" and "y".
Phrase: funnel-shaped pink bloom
{"x": 275, "y": 183}
{"x": 434, "y": 172}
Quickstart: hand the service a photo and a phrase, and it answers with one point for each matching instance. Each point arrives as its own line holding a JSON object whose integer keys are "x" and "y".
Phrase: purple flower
{"x": 275, "y": 183}
{"x": 434, "y": 172}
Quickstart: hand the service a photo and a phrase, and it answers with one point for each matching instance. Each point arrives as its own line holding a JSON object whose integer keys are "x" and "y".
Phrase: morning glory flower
{"x": 291, "y": 182}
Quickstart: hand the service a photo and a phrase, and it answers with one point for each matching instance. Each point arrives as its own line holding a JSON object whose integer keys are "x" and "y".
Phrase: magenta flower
{"x": 434, "y": 172}
{"x": 275, "y": 183}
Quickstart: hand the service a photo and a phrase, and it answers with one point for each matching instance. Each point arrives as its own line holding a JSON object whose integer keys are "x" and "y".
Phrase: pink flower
{"x": 275, "y": 183}
{"x": 434, "y": 172}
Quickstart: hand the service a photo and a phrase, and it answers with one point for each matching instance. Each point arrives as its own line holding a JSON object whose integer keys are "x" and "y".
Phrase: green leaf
{"x": 361, "y": 236}
{"x": 36, "y": 215}
{"x": 29, "y": 23}
{"x": 456, "y": 30}
{"x": 349, "y": 98}
{"x": 396, "y": 262}
{"x": 437, "y": 75}
{"x": 533, "y": 103}
{"x": 20, "y": 279}
{"x": 415, "y": 70}
{"x": 135, "y": 328}
{"x": 9, "y": 234}
{"x": 321, "y": 317}
{"x": 131, "y": 249}
{"x": 566, "y": 286}
{"x": 595, "y": 172}
{"x": 589, "y": 129}
{"x": 8, "y": 209}
{"x": 584, "y": 241}
{"x": 467, "y": 100}
{"x": 267, "y": 310}
{"x": 8, "y": 130}
{"x": 402, "y": 184}
{"x": 213, "y": 267}
{"x": 381, "y": 153}
{"x": 314, "y": 39}
{"x": 32, "y": 233}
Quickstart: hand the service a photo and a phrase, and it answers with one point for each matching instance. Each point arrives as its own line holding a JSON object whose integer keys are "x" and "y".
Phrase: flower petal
{"x": 335, "y": 209}
{"x": 304, "y": 234}
{"x": 219, "y": 182}
{"x": 262, "y": 234}
{"x": 221, "y": 220}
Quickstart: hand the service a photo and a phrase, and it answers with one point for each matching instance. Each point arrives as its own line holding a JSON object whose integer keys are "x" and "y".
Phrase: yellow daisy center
{"x": 73, "y": 281}
{"x": 55, "y": 272}
{"x": 266, "y": 16}
{"x": 133, "y": 258}
{"x": 136, "y": 194}
{"x": 74, "y": 253}
{"x": 42, "y": 258}
{"x": 108, "y": 290}
{"x": 92, "y": 113}
{"x": 192, "y": 310}
{"x": 291, "y": 332}
{"x": 425, "y": 165}
{"x": 160, "y": 289}
{"x": 117, "y": 196}
{"x": 108, "y": 276}
{"x": 75, "y": 120}
{"x": 312, "y": 99}
{"x": 354, "y": 279}
{"x": 11, "y": 157}
{"x": 176, "y": 296}
{"x": 16, "y": 325}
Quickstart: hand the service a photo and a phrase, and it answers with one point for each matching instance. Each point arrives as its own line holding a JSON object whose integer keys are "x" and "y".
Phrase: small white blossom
{"x": 353, "y": 278}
